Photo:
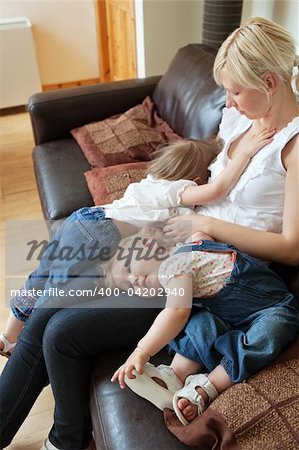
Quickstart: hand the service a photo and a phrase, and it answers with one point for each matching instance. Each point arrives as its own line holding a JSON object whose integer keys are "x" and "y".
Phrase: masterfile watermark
{"x": 54, "y": 251}
{"x": 27, "y": 246}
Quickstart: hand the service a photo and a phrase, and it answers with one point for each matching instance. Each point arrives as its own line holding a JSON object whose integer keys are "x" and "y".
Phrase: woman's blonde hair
{"x": 184, "y": 159}
{"x": 258, "y": 47}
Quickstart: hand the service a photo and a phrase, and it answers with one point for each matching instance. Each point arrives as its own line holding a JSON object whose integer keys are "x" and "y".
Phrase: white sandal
{"x": 144, "y": 385}
{"x": 47, "y": 445}
{"x": 8, "y": 346}
{"x": 189, "y": 392}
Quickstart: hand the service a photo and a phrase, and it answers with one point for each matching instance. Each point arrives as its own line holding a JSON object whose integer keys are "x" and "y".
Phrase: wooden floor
{"x": 19, "y": 200}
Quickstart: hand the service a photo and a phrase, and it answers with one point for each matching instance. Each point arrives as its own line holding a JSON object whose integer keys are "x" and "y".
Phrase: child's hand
{"x": 136, "y": 361}
{"x": 258, "y": 141}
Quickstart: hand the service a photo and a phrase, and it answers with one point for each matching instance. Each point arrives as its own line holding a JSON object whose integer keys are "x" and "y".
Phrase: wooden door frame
{"x": 102, "y": 40}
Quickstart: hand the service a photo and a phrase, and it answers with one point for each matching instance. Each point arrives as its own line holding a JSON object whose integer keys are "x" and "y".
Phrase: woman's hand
{"x": 179, "y": 229}
{"x": 136, "y": 361}
{"x": 257, "y": 141}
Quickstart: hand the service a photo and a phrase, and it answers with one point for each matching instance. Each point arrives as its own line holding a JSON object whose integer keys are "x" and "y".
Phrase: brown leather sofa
{"x": 189, "y": 100}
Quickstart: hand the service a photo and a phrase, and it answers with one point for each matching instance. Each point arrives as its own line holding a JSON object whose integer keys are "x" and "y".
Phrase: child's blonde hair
{"x": 184, "y": 159}
{"x": 256, "y": 48}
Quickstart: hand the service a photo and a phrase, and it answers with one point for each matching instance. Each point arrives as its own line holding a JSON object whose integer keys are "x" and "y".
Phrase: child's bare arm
{"x": 223, "y": 184}
{"x": 173, "y": 318}
{"x": 166, "y": 326}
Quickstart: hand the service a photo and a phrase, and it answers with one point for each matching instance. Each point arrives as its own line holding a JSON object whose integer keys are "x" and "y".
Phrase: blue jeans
{"x": 70, "y": 261}
{"x": 246, "y": 325}
{"x": 60, "y": 346}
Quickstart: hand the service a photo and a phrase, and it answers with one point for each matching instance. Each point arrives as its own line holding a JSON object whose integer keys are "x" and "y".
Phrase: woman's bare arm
{"x": 220, "y": 187}
{"x": 282, "y": 247}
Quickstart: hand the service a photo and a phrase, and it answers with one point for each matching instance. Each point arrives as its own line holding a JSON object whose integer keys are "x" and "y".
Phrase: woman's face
{"x": 250, "y": 102}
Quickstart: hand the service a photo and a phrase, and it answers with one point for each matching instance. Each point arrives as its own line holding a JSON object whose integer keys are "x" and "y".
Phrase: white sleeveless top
{"x": 257, "y": 199}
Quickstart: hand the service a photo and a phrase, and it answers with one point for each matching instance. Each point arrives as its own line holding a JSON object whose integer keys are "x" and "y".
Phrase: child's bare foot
{"x": 188, "y": 409}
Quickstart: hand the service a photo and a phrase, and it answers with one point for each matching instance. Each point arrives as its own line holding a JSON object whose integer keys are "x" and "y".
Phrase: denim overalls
{"x": 246, "y": 325}
{"x": 70, "y": 262}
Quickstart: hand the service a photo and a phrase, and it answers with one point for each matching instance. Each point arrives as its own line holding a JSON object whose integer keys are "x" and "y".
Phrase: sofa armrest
{"x": 53, "y": 114}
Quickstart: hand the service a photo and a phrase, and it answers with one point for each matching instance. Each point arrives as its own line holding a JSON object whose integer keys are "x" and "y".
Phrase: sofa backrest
{"x": 187, "y": 96}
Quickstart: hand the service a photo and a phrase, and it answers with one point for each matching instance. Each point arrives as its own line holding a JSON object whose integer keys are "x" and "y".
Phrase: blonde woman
{"x": 260, "y": 215}
{"x": 60, "y": 346}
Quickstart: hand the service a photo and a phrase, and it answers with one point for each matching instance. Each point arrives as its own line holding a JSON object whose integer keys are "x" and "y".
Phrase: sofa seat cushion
{"x": 59, "y": 171}
{"x": 241, "y": 418}
{"x": 122, "y": 420}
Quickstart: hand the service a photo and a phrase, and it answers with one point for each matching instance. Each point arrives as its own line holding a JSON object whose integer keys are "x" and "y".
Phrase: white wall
{"x": 284, "y": 12}
{"x": 169, "y": 25}
{"x": 64, "y": 34}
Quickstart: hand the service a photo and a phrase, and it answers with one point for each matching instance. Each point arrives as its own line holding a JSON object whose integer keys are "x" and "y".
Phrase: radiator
{"x": 19, "y": 76}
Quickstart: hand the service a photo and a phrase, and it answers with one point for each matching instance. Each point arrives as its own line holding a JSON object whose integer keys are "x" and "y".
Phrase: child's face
{"x": 138, "y": 267}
